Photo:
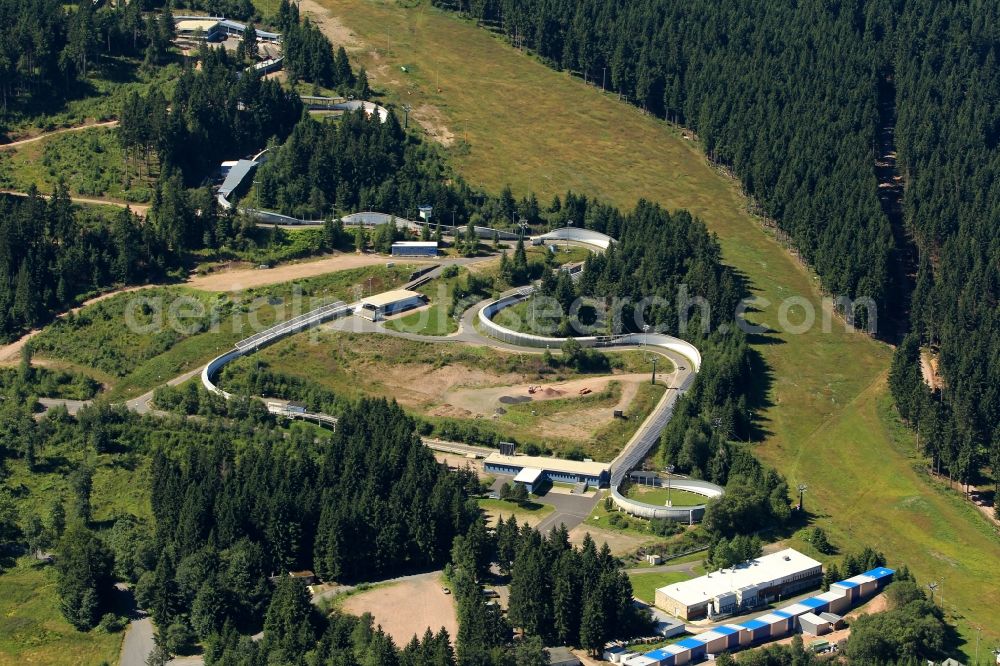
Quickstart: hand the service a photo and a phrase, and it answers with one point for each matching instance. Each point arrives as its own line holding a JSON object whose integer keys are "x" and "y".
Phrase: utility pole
{"x": 670, "y": 470}
{"x": 932, "y": 586}
{"x": 802, "y": 491}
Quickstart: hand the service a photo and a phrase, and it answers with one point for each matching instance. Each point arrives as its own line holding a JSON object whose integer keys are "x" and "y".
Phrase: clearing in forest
{"x": 408, "y": 607}
{"x": 823, "y": 397}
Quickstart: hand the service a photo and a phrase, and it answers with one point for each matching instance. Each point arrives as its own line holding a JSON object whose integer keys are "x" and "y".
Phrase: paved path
{"x": 571, "y": 510}
{"x": 138, "y": 643}
{"x": 72, "y": 406}
{"x": 14, "y": 145}
{"x": 141, "y": 405}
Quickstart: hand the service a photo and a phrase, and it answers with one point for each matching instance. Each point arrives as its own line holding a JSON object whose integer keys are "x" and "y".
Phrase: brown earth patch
{"x": 420, "y": 384}
{"x": 433, "y": 122}
{"x": 247, "y": 278}
{"x": 331, "y": 26}
{"x": 408, "y": 607}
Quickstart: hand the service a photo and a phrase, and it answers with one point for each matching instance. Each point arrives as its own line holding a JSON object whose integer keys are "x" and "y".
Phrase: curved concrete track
{"x": 685, "y": 357}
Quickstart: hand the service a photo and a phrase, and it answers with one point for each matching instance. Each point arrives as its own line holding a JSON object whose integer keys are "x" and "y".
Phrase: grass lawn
{"x": 658, "y": 496}
{"x": 515, "y": 121}
{"x": 433, "y": 320}
{"x": 644, "y": 585}
{"x": 146, "y": 356}
{"x": 91, "y": 162}
{"x": 531, "y": 512}
{"x": 33, "y": 631}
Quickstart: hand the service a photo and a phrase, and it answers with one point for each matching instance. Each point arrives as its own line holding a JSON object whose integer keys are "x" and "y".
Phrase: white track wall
{"x": 648, "y": 433}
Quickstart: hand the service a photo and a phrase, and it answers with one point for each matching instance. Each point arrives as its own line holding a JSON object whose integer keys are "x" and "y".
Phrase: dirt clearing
{"x": 248, "y": 278}
{"x": 485, "y": 400}
{"x": 408, "y": 607}
{"x": 459, "y": 462}
{"x": 330, "y": 25}
{"x": 433, "y": 122}
{"x": 422, "y": 384}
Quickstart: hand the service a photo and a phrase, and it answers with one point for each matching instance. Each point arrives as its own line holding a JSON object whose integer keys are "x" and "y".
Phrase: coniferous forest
{"x": 787, "y": 95}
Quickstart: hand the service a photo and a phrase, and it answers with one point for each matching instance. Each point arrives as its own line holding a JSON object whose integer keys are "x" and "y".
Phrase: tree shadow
{"x": 758, "y": 394}
{"x": 122, "y": 602}
{"x": 53, "y": 465}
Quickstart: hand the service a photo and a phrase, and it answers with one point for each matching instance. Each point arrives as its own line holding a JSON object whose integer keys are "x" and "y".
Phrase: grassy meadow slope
{"x": 507, "y": 118}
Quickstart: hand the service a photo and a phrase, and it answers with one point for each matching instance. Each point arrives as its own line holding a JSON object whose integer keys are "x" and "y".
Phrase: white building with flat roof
{"x": 379, "y": 306}
{"x": 554, "y": 469}
{"x": 742, "y": 587}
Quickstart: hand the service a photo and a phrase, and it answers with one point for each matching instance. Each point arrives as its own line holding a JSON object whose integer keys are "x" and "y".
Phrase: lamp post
{"x": 670, "y": 470}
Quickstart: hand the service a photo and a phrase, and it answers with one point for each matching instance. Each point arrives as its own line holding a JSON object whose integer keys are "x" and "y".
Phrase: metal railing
{"x": 294, "y": 325}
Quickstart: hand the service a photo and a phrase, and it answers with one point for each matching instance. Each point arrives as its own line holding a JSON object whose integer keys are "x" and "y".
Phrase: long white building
{"x": 743, "y": 587}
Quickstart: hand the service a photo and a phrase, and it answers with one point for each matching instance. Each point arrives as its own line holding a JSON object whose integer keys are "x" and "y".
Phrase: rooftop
{"x": 235, "y": 176}
{"x": 193, "y": 24}
{"x": 390, "y": 297}
{"x": 594, "y": 469}
{"x": 762, "y": 571}
{"x": 528, "y": 475}
{"x": 813, "y": 618}
{"x": 415, "y": 244}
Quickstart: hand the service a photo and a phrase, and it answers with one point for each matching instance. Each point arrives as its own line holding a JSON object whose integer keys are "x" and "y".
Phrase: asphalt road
{"x": 138, "y": 643}
{"x": 72, "y": 406}
{"x": 141, "y": 405}
{"x": 571, "y": 510}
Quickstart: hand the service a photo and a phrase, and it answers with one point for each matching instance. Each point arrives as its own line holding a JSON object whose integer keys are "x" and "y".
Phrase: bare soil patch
{"x": 929, "y": 369}
{"x": 619, "y": 542}
{"x": 420, "y": 384}
{"x": 408, "y": 607}
{"x": 433, "y": 122}
{"x": 485, "y": 400}
{"x": 331, "y": 26}
{"x": 585, "y": 421}
{"x": 458, "y": 462}
{"x": 247, "y": 278}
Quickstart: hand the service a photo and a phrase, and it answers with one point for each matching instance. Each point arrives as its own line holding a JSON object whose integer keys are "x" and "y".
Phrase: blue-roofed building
{"x": 809, "y": 615}
{"x": 695, "y": 647}
{"x": 753, "y": 631}
{"x": 415, "y": 249}
{"x": 880, "y": 573}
